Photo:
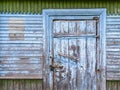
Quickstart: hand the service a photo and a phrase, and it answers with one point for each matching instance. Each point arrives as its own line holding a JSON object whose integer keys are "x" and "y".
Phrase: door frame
{"x": 48, "y": 16}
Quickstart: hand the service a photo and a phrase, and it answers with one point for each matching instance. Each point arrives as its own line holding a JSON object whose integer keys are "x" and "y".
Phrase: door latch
{"x": 55, "y": 66}
{"x": 51, "y": 68}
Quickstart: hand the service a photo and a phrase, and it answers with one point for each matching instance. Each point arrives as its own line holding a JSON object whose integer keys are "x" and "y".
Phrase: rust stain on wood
{"x": 68, "y": 56}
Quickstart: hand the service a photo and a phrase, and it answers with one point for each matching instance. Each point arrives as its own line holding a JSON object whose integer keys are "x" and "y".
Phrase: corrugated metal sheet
{"x": 21, "y": 58}
{"x": 36, "y": 6}
{"x": 113, "y": 47}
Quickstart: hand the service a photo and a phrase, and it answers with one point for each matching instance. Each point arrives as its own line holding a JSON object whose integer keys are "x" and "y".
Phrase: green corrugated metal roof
{"x": 36, "y": 6}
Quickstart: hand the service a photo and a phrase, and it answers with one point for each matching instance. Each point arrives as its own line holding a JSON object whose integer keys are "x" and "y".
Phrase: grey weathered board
{"x": 75, "y": 46}
{"x": 21, "y": 46}
{"x": 76, "y": 55}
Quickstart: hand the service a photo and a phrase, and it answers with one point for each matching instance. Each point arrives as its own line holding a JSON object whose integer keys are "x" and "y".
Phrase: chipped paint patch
{"x": 16, "y": 28}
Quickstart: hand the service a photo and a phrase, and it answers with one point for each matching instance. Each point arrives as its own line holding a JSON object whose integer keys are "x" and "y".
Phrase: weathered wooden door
{"x": 74, "y": 53}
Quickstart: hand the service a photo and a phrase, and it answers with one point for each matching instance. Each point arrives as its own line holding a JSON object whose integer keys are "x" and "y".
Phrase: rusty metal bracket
{"x": 96, "y": 18}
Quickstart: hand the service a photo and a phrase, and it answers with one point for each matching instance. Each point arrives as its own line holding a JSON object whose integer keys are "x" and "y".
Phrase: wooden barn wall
{"x": 36, "y": 6}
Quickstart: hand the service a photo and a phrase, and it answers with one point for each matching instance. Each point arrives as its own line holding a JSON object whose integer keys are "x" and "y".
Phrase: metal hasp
{"x": 55, "y": 65}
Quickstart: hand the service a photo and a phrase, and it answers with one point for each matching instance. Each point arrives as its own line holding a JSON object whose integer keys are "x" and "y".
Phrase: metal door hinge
{"x": 96, "y": 18}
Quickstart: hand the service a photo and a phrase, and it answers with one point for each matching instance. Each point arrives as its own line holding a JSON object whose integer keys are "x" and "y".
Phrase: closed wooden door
{"x": 76, "y": 51}
{"x": 75, "y": 54}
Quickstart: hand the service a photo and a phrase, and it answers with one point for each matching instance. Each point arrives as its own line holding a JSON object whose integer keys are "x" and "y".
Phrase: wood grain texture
{"x": 77, "y": 56}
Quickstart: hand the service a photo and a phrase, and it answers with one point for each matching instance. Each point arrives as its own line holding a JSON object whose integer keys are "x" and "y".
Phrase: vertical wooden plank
{"x": 81, "y": 27}
{"x": 39, "y": 85}
{"x": 1, "y": 85}
{"x": 64, "y": 51}
{"x": 63, "y": 84}
{"x": 22, "y": 84}
{"x": 118, "y": 85}
{"x": 56, "y": 49}
{"x": 33, "y": 85}
{"x": 16, "y": 84}
{"x": 108, "y": 85}
{"x": 91, "y": 64}
{"x": 72, "y": 28}
{"x": 56, "y": 59}
{"x": 10, "y": 84}
{"x": 56, "y": 27}
{"x": 5, "y": 85}
{"x": 64, "y": 27}
{"x": 91, "y": 27}
{"x": 91, "y": 56}
{"x": 73, "y": 53}
{"x": 27, "y": 85}
{"x": 81, "y": 65}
